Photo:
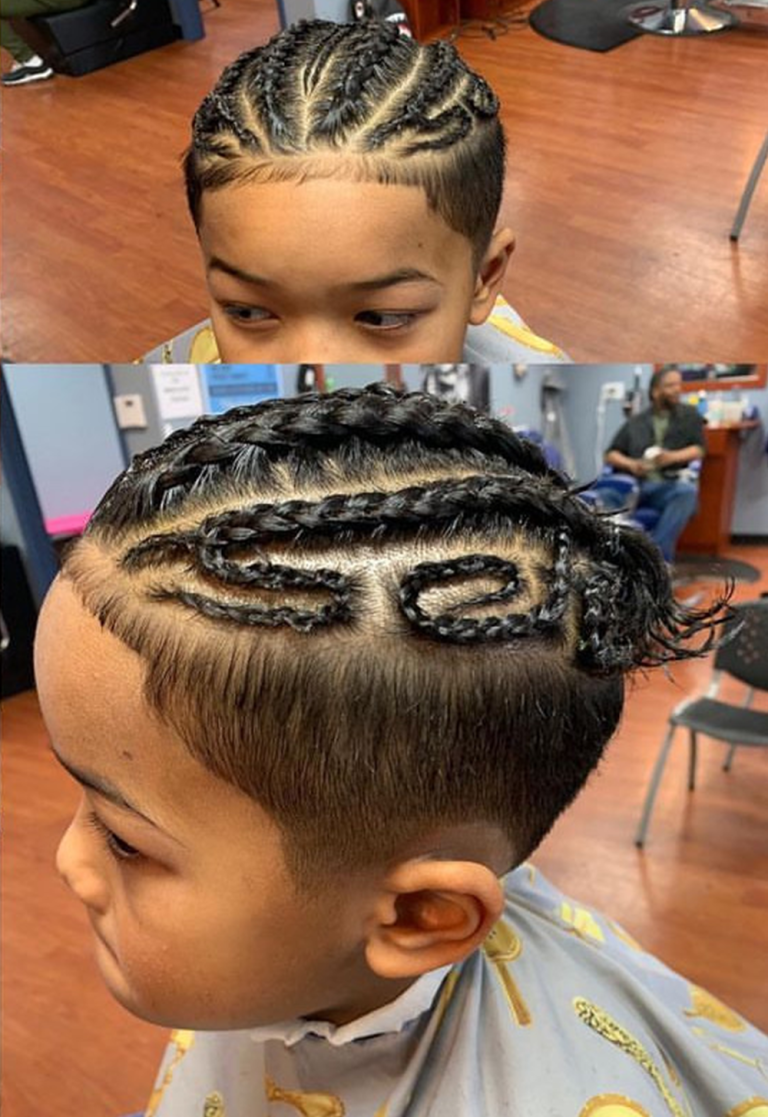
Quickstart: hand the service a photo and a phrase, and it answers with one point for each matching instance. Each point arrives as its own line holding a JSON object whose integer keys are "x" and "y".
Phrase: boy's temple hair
{"x": 355, "y": 101}
{"x": 379, "y": 614}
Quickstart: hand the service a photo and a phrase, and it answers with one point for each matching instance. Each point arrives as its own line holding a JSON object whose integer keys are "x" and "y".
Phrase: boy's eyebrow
{"x": 102, "y": 787}
{"x": 392, "y": 279}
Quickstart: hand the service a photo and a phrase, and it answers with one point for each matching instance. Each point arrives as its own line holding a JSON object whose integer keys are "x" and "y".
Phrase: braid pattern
{"x": 250, "y": 439}
{"x": 628, "y": 616}
{"x": 362, "y": 87}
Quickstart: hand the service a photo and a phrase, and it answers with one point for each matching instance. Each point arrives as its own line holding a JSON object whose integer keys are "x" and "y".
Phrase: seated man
{"x": 28, "y": 66}
{"x": 655, "y": 446}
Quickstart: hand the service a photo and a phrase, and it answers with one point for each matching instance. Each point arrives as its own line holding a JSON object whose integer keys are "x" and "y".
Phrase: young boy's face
{"x": 195, "y": 919}
{"x": 335, "y": 271}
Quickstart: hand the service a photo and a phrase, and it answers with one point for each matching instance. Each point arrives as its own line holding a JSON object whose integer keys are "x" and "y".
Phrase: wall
{"x": 65, "y": 416}
{"x": 10, "y": 530}
{"x": 750, "y": 515}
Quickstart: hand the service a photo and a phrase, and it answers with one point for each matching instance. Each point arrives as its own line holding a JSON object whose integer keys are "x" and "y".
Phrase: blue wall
{"x": 75, "y": 450}
{"x": 67, "y": 424}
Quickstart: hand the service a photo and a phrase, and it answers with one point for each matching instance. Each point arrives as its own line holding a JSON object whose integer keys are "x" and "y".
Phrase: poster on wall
{"x": 226, "y": 386}
{"x": 177, "y": 391}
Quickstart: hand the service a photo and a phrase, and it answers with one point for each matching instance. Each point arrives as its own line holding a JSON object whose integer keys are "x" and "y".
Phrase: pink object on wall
{"x": 67, "y": 525}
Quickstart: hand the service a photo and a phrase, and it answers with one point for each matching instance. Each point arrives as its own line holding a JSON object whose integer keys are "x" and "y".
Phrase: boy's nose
{"x": 78, "y": 872}
{"x": 318, "y": 341}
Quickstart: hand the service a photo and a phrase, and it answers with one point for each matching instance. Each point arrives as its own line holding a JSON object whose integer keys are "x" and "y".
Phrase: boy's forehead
{"x": 90, "y": 686}
{"x": 352, "y": 231}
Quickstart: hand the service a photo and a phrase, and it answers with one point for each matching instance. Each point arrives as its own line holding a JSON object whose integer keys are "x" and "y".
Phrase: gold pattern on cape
{"x": 581, "y": 922}
{"x": 613, "y": 1105}
{"x": 624, "y": 936}
{"x": 308, "y": 1105}
{"x": 605, "y": 1026}
{"x": 748, "y": 1060}
{"x": 214, "y": 1106}
{"x": 501, "y": 947}
{"x": 182, "y": 1041}
{"x": 705, "y": 1005}
{"x": 752, "y": 1107}
{"x": 445, "y": 998}
{"x": 203, "y": 349}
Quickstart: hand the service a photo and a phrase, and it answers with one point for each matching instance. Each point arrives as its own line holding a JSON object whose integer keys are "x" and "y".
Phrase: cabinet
{"x": 709, "y": 531}
{"x": 430, "y": 19}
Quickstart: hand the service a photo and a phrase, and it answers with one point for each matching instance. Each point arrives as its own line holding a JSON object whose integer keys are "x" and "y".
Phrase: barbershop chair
{"x": 743, "y": 654}
{"x": 621, "y": 491}
{"x": 678, "y": 17}
{"x": 551, "y": 453}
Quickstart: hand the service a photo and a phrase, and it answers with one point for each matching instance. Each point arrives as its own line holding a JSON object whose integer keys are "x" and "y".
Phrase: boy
{"x": 326, "y": 668}
{"x": 345, "y": 184}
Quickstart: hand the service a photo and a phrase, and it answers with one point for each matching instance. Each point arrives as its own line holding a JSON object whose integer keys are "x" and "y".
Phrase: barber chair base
{"x": 662, "y": 19}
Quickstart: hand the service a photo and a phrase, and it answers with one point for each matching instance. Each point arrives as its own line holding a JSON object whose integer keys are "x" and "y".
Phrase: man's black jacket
{"x": 686, "y": 428}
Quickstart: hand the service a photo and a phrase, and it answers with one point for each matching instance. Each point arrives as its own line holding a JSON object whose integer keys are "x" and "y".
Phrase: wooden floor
{"x": 625, "y": 171}
{"x": 697, "y": 896}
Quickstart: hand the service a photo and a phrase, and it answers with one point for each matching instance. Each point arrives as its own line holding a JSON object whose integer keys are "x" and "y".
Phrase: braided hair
{"x": 375, "y": 612}
{"x": 383, "y": 107}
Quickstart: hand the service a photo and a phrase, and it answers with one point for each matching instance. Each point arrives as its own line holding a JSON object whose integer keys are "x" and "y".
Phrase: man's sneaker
{"x": 21, "y": 73}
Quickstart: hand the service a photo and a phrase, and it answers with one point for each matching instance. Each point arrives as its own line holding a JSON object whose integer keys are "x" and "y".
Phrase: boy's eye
{"x": 386, "y": 319}
{"x": 247, "y": 315}
{"x": 120, "y": 850}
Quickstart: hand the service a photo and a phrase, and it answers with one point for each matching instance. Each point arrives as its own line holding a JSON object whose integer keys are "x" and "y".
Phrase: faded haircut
{"x": 357, "y": 102}
{"x": 378, "y": 613}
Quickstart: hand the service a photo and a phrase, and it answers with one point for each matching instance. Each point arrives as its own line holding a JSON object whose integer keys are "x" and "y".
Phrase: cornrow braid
{"x": 386, "y": 601}
{"x": 402, "y": 112}
{"x": 629, "y": 617}
{"x": 253, "y": 440}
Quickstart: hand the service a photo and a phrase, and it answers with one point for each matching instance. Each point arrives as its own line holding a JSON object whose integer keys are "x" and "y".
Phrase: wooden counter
{"x": 709, "y": 532}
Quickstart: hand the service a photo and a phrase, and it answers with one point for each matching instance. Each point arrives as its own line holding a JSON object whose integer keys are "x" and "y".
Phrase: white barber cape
{"x": 559, "y": 1014}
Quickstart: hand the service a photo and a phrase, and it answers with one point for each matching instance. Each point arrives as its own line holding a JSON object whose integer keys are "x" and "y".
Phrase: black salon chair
{"x": 743, "y": 654}
{"x": 99, "y": 34}
{"x": 749, "y": 189}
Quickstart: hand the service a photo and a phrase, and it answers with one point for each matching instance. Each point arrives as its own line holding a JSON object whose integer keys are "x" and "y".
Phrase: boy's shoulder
{"x": 560, "y": 1012}
{"x": 503, "y": 339}
{"x": 506, "y": 339}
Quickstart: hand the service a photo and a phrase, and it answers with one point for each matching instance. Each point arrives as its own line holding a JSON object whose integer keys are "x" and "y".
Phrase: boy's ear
{"x": 431, "y": 914}
{"x": 490, "y": 276}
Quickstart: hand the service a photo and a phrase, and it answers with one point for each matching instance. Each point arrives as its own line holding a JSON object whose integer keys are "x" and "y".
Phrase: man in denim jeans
{"x": 656, "y": 446}
{"x": 27, "y": 66}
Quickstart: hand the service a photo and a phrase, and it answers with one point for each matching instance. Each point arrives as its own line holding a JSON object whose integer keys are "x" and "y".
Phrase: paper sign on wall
{"x": 229, "y": 386}
{"x": 177, "y": 391}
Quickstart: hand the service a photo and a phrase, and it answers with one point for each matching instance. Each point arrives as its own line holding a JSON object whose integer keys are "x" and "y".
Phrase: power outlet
{"x": 614, "y": 389}
{"x": 130, "y": 413}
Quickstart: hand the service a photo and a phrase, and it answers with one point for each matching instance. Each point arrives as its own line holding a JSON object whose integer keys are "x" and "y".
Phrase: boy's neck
{"x": 382, "y": 992}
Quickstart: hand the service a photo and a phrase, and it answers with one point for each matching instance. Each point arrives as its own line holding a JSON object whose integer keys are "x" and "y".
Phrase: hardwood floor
{"x": 697, "y": 896}
{"x": 625, "y": 171}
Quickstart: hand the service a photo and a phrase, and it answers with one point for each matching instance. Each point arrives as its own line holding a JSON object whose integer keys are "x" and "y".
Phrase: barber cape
{"x": 559, "y": 1014}
{"x": 503, "y": 339}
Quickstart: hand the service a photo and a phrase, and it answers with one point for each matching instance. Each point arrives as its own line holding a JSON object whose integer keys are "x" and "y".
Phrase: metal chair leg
{"x": 650, "y": 797}
{"x": 749, "y": 189}
{"x": 732, "y": 750}
{"x": 692, "y": 761}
